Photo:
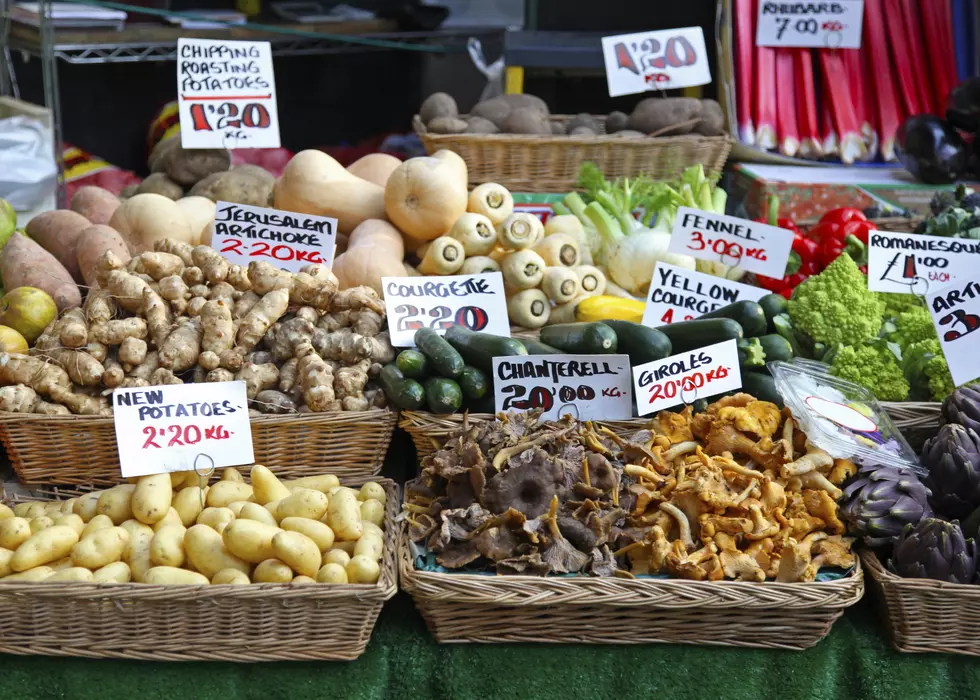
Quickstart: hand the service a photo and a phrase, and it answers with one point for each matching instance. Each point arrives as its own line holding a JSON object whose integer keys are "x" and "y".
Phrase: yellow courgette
{"x": 605, "y": 307}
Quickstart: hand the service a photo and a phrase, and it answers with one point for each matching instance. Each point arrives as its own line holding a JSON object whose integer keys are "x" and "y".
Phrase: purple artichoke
{"x": 880, "y": 501}
{"x": 962, "y": 407}
{"x": 935, "y": 549}
{"x": 953, "y": 461}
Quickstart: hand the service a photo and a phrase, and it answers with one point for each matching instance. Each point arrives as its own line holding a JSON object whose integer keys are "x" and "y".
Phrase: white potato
{"x": 361, "y": 569}
{"x": 171, "y": 518}
{"x": 372, "y": 512}
{"x": 267, "y": 485}
{"x": 85, "y": 506}
{"x": 372, "y": 489}
{"x": 48, "y": 545}
{"x": 250, "y": 540}
{"x": 230, "y": 576}
{"x": 117, "y": 503}
{"x": 117, "y": 572}
{"x": 99, "y": 522}
{"x": 225, "y": 492}
{"x": 189, "y": 503}
{"x": 41, "y": 522}
{"x": 38, "y": 573}
{"x": 253, "y": 511}
{"x": 303, "y": 503}
{"x": 335, "y": 556}
{"x": 216, "y": 518}
{"x": 101, "y": 548}
{"x": 319, "y": 532}
{"x": 73, "y": 521}
{"x": 344, "y": 515}
{"x": 151, "y": 499}
{"x": 297, "y": 551}
{"x": 14, "y": 532}
{"x": 74, "y": 573}
{"x": 369, "y": 545}
{"x": 322, "y": 483}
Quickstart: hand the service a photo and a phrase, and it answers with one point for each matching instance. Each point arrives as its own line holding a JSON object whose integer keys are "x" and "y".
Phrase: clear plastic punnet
{"x": 841, "y": 417}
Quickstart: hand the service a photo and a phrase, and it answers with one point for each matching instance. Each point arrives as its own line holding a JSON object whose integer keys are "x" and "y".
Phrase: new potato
{"x": 117, "y": 503}
{"x": 85, "y": 507}
{"x": 230, "y": 576}
{"x": 5, "y": 556}
{"x": 207, "y": 553}
{"x": 167, "y": 546}
{"x": 344, "y": 515}
{"x": 151, "y": 498}
{"x": 73, "y": 521}
{"x": 46, "y": 546}
{"x": 253, "y": 511}
{"x": 373, "y": 512}
{"x": 373, "y": 490}
{"x": 225, "y": 492}
{"x": 5, "y": 512}
{"x": 370, "y": 545}
{"x": 320, "y": 533}
{"x": 41, "y": 522}
{"x": 321, "y": 483}
{"x": 168, "y": 575}
{"x": 99, "y": 522}
{"x": 137, "y": 551}
{"x": 189, "y": 503}
{"x": 250, "y": 540}
{"x": 171, "y": 518}
{"x": 303, "y": 503}
{"x": 361, "y": 569}
{"x": 336, "y": 556}
{"x": 117, "y": 572}
{"x": 100, "y": 548}
{"x": 74, "y": 573}
{"x": 332, "y": 573}
{"x": 298, "y": 551}
{"x": 14, "y": 532}
{"x": 267, "y": 486}
{"x": 35, "y": 575}
{"x": 272, "y": 571}
{"x": 217, "y": 518}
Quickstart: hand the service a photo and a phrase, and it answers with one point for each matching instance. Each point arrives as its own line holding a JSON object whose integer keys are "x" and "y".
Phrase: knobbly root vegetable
{"x": 492, "y": 201}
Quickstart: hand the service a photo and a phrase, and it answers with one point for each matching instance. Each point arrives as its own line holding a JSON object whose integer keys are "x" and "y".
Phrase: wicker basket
{"x": 488, "y": 609}
{"x": 81, "y": 450}
{"x": 525, "y": 163}
{"x": 924, "y": 615}
{"x": 259, "y": 622}
{"x": 429, "y": 431}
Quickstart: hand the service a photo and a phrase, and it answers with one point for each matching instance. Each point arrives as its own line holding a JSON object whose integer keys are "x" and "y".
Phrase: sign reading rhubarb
{"x": 817, "y": 25}
{"x": 226, "y": 94}
{"x": 290, "y": 241}
{"x": 475, "y": 301}
{"x": 590, "y": 387}
{"x": 752, "y": 246}
{"x": 677, "y": 294}
{"x": 686, "y": 377}
{"x": 180, "y": 427}
{"x": 909, "y": 263}
{"x": 956, "y": 314}
{"x": 662, "y": 60}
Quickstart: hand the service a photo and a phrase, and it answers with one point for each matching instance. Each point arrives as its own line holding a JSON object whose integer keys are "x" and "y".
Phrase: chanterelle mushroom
{"x": 815, "y": 458}
{"x": 795, "y": 558}
{"x": 737, "y": 565}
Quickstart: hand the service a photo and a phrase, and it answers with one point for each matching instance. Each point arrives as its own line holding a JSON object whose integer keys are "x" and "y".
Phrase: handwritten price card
{"x": 474, "y": 301}
{"x": 226, "y": 94}
{"x": 677, "y": 294}
{"x": 754, "y": 247}
{"x": 661, "y": 60}
{"x": 290, "y": 241}
{"x": 166, "y": 428}
{"x": 590, "y": 387}
{"x": 818, "y": 25}
{"x": 686, "y": 377}
{"x": 914, "y": 264}
{"x": 956, "y": 314}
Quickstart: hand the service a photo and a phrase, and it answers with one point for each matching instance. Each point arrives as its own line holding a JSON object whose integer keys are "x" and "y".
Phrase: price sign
{"x": 818, "y": 25}
{"x": 661, "y": 60}
{"x": 908, "y": 263}
{"x": 226, "y": 94}
{"x": 180, "y": 427}
{"x": 956, "y": 314}
{"x": 474, "y": 301}
{"x": 590, "y": 387}
{"x": 755, "y": 247}
{"x": 677, "y": 294}
{"x": 290, "y": 241}
{"x": 686, "y": 377}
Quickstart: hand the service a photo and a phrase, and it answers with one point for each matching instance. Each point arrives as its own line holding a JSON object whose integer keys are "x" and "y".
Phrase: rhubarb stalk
{"x": 806, "y": 104}
{"x": 900, "y": 52}
{"x": 828, "y": 133}
{"x": 949, "y": 41}
{"x": 937, "y": 48}
{"x": 744, "y": 41}
{"x": 765, "y": 98}
{"x": 881, "y": 78}
{"x": 838, "y": 94}
{"x": 859, "y": 98}
{"x": 787, "y": 127}
{"x": 915, "y": 44}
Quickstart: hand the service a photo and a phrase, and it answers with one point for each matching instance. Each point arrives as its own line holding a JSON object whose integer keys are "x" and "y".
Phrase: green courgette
{"x": 581, "y": 338}
{"x": 479, "y": 349}
{"x": 401, "y": 391}
{"x": 750, "y": 353}
{"x": 536, "y": 347}
{"x": 642, "y": 343}
{"x": 412, "y": 364}
{"x": 473, "y": 383}
{"x": 776, "y": 347}
{"x": 773, "y": 305}
{"x": 443, "y": 395}
{"x": 443, "y": 356}
{"x": 748, "y": 314}
{"x": 691, "y": 335}
{"x": 761, "y": 386}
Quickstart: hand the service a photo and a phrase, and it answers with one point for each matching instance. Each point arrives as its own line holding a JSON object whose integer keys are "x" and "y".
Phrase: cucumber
{"x": 691, "y": 335}
{"x": 581, "y": 338}
{"x": 443, "y": 356}
{"x": 642, "y": 343}
{"x": 776, "y": 347}
{"x": 536, "y": 347}
{"x": 443, "y": 395}
{"x": 479, "y": 349}
{"x": 750, "y": 353}
{"x": 412, "y": 364}
{"x": 473, "y": 383}
{"x": 748, "y": 314}
{"x": 773, "y": 305}
{"x": 401, "y": 391}
{"x": 761, "y": 386}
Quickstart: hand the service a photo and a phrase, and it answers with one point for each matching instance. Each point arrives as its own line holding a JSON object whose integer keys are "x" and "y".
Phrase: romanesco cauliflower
{"x": 913, "y": 326}
{"x": 874, "y": 367}
{"x": 836, "y": 307}
{"x": 896, "y": 303}
{"x": 925, "y": 368}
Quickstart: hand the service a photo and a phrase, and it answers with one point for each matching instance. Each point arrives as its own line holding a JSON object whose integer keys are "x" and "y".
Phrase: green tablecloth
{"x": 855, "y": 662}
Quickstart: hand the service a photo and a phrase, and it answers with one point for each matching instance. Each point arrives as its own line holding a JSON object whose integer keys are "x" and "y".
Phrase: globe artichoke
{"x": 881, "y": 500}
{"x": 963, "y": 407}
{"x": 953, "y": 461}
{"x": 935, "y": 549}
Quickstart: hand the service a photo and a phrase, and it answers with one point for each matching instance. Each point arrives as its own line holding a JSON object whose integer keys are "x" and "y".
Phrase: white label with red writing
{"x": 226, "y": 94}
{"x": 287, "y": 240}
{"x": 956, "y": 315}
{"x": 677, "y": 294}
{"x": 589, "y": 387}
{"x": 474, "y": 301}
{"x": 909, "y": 263}
{"x": 816, "y": 25}
{"x": 686, "y": 377}
{"x": 180, "y": 427}
{"x": 662, "y": 60}
{"x": 752, "y": 246}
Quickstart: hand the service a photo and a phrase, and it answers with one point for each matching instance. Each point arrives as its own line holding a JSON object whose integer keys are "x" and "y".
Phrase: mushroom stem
{"x": 681, "y": 448}
{"x": 682, "y": 523}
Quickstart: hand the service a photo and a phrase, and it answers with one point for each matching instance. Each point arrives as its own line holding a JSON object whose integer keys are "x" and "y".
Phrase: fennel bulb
{"x": 630, "y": 259}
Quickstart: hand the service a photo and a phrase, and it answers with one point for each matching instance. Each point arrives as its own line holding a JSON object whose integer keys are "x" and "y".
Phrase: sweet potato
{"x": 95, "y": 204}
{"x": 58, "y": 232}
{"x": 92, "y": 243}
{"x": 24, "y": 263}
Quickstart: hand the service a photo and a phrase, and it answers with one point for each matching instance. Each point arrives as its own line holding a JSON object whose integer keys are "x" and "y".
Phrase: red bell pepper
{"x": 859, "y": 229}
{"x": 806, "y": 248}
{"x": 843, "y": 215}
{"x": 849, "y": 245}
{"x": 784, "y": 286}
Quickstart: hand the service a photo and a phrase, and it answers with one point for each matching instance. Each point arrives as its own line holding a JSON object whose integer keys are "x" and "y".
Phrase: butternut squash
{"x": 314, "y": 183}
{"x": 425, "y": 196}
{"x": 454, "y": 160}
{"x": 375, "y": 250}
{"x": 374, "y": 167}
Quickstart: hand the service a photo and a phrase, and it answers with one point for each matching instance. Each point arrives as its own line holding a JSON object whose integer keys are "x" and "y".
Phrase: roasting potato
{"x": 297, "y": 551}
{"x": 46, "y": 546}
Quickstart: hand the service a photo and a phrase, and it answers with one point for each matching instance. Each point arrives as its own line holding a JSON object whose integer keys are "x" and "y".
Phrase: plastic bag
{"x": 28, "y": 173}
{"x": 494, "y": 72}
